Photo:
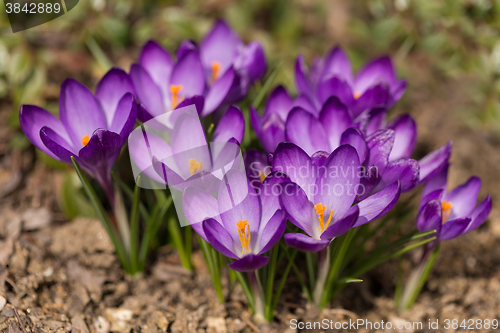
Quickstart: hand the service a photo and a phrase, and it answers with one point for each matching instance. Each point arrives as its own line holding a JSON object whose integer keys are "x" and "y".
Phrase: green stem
{"x": 258, "y": 296}
{"x": 188, "y": 241}
{"x": 310, "y": 270}
{"x": 246, "y": 289}
{"x": 323, "y": 269}
{"x": 134, "y": 228}
{"x": 418, "y": 278}
{"x": 122, "y": 220}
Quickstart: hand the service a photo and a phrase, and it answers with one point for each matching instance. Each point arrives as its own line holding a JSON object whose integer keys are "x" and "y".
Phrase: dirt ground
{"x": 63, "y": 276}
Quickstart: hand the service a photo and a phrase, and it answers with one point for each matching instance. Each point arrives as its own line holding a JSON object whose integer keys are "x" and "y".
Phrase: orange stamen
{"x": 262, "y": 176}
{"x": 194, "y": 166}
{"x": 176, "y": 99}
{"x": 356, "y": 95}
{"x": 215, "y": 70}
{"x": 320, "y": 210}
{"x": 85, "y": 140}
{"x": 446, "y": 206}
{"x": 245, "y": 242}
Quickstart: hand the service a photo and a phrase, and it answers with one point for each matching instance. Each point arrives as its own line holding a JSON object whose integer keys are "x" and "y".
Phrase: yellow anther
{"x": 320, "y": 210}
{"x": 245, "y": 241}
{"x": 176, "y": 98}
{"x": 446, "y": 206}
{"x": 85, "y": 140}
{"x": 215, "y": 70}
{"x": 194, "y": 166}
{"x": 356, "y": 95}
{"x": 262, "y": 176}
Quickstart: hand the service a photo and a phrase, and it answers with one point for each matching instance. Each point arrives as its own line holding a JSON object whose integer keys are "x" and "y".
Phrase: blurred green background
{"x": 432, "y": 43}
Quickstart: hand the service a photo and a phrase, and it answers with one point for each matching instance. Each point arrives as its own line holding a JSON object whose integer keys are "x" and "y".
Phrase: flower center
{"x": 244, "y": 240}
{"x": 215, "y": 70}
{"x": 356, "y": 95}
{"x": 320, "y": 210}
{"x": 85, "y": 140}
{"x": 194, "y": 166}
{"x": 446, "y": 206}
{"x": 176, "y": 98}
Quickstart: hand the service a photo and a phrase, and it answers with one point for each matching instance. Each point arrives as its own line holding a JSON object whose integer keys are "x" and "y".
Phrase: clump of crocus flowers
{"x": 325, "y": 172}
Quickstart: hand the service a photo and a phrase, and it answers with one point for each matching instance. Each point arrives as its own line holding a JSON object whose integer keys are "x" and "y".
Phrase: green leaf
{"x": 72, "y": 201}
{"x": 213, "y": 268}
{"x": 152, "y": 226}
{"x": 257, "y": 103}
{"x": 281, "y": 284}
{"x": 398, "y": 293}
{"x": 378, "y": 259}
{"x": 342, "y": 244}
{"x": 98, "y": 53}
{"x": 270, "y": 282}
{"x": 175, "y": 232}
{"x": 347, "y": 280}
{"x": 130, "y": 194}
{"x": 418, "y": 279}
{"x": 297, "y": 272}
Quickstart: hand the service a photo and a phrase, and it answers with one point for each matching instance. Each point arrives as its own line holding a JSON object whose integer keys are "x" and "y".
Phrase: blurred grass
{"x": 450, "y": 40}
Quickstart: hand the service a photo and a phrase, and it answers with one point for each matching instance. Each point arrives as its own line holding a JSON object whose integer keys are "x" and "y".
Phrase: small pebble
{"x": 36, "y": 218}
{"x": 48, "y": 272}
{"x": 2, "y": 302}
{"x": 101, "y": 325}
{"x": 217, "y": 324}
{"x": 119, "y": 319}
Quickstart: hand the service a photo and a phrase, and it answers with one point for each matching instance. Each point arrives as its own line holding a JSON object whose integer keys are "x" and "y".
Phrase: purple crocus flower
{"x": 257, "y": 166}
{"x": 187, "y": 159}
{"x": 222, "y": 51}
{"x": 241, "y": 223}
{"x": 91, "y": 129}
{"x": 217, "y": 73}
{"x": 387, "y": 150}
{"x": 163, "y": 86}
{"x": 404, "y": 140}
{"x": 386, "y": 147}
{"x": 375, "y": 84}
{"x": 322, "y": 190}
{"x": 451, "y": 213}
{"x": 270, "y": 127}
{"x": 434, "y": 162}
